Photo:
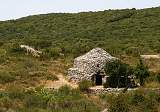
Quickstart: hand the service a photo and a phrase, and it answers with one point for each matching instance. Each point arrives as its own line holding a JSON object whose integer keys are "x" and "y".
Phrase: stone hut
{"x": 90, "y": 67}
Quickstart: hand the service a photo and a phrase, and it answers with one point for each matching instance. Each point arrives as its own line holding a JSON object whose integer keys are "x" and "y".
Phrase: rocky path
{"x": 59, "y": 83}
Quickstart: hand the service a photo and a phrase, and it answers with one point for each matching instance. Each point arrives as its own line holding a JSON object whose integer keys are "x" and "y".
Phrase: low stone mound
{"x": 89, "y": 64}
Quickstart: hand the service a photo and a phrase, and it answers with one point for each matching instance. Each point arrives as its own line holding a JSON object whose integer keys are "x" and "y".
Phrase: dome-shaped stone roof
{"x": 89, "y": 64}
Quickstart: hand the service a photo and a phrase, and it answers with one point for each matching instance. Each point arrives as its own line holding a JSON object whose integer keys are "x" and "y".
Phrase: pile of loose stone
{"x": 95, "y": 90}
{"x": 108, "y": 90}
{"x": 87, "y": 65}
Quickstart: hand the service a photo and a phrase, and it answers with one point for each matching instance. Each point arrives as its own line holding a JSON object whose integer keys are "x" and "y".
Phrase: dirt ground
{"x": 59, "y": 83}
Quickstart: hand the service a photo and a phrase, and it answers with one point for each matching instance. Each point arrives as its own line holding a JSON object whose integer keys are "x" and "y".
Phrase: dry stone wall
{"x": 108, "y": 90}
{"x": 119, "y": 90}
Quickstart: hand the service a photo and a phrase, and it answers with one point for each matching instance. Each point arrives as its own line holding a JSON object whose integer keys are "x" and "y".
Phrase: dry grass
{"x": 153, "y": 84}
{"x": 153, "y": 64}
{"x": 59, "y": 66}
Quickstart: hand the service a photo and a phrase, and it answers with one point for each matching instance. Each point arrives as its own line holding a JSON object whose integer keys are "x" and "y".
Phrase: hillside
{"x": 63, "y": 36}
{"x": 117, "y": 31}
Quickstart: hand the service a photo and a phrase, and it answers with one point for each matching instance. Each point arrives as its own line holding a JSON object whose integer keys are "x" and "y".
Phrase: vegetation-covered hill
{"x": 117, "y": 31}
{"x": 61, "y": 37}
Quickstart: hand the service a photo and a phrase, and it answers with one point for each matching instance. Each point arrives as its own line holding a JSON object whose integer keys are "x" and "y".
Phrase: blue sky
{"x": 13, "y": 9}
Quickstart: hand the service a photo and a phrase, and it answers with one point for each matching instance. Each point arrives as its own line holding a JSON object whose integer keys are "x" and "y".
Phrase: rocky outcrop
{"x": 87, "y": 65}
{"x": 31, "y": 50}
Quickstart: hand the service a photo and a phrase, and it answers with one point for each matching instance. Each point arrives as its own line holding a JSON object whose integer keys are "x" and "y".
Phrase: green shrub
{"x": 133, "y": 101}
{"x": 2, "y": 59}
{"x": 118, "y": 104}
{"x": 107, "y": 97}
{"x": 51, "y": 77}
{"x": 6, "y": 77}
{"x": 39, "y": 43}
{"x": 53, "y": 52}
{"x": 15, "y": 48}
{"x": 34, "y": 100}
{"x": 144, "y": 100}
{"x": 158, "y": 77}
{"x": 16, "y": 92}
{"x": 152, "y": 78}
{"x": 3, "y": 94}
{"x": 1, "y": 43}
{"x": 147, "y": 101}
{"x": 29, "y": 63}
{"x": 102, "y": 96}
{"x": 76, "y": 94}
{"x": 65, "y": 90}
{"x": 119, "y": 17}
{"x": 137, "y": 98}
{"x": 6, "y": 102}
{"x": 141, "y": 71}
{"x": 3, "y": 56}
{"x": 2, "y": 52}
{"x": 84, "y": 85}
{"x": 133, "y": 51}
{"x": 148, "y": 105}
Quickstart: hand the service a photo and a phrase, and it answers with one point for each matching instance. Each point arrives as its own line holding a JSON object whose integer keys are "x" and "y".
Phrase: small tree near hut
{"x": 141, "y": 71}
{"x": 118, "y": 73}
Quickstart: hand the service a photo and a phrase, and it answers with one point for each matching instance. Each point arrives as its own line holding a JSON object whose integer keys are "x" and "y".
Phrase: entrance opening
{"x": 98, "y": 80}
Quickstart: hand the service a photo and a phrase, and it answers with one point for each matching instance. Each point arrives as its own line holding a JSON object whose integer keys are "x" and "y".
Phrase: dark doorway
{"x": 98, "y": 80}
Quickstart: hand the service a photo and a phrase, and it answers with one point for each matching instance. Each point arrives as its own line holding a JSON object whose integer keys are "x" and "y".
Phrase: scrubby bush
{"x": 118, "y": 104}
{"x": 152, "y": 84}
{"x": 133, "y": 51}
{"x": 1, "y": 43}
{"x": 134, "y": 101}
{"x": 3, "y": 56}
{"x": 121, "y": 16}
{"x": 29, "y": 63}
{"x": 15, "y": 48}
{"x": 51, "y": 77}
{"x": 3, "y": 52}
{"x": 65, "y": 90}
{"x": 15, "y": 91}
{"x": 144, "y": 100}
{"x": 107, "y": 97}
{"x": 152, "y": 81}
{"x": 34, "y": 101}
{"x": 136, "y": 98}
{"x": 6, "y": 77}
{"x": 158, "y": 77}
{"x": 38, "y": 43}
{"x": 2, "y": 59}
{"x": 84, "y": 85}
{"x": 6, "y": 102}
{"x": 3, "y": 94}
{"x": 141, "y": 71}
{"x": 53, "y": 52}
